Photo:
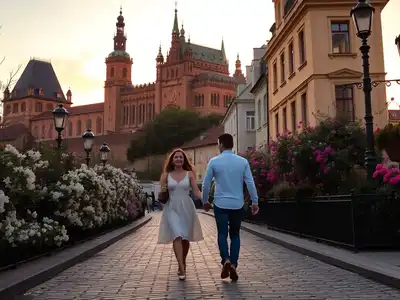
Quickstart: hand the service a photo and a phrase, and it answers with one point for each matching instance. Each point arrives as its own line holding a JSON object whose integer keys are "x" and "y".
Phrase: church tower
{"x": 119, "y": 67}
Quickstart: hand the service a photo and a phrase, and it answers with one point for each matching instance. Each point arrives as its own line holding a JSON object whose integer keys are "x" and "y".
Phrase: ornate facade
{"x": 190, "y": 76}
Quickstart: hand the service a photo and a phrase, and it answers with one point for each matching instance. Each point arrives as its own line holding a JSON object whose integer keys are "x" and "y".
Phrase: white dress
{"x": 179, "y": 218}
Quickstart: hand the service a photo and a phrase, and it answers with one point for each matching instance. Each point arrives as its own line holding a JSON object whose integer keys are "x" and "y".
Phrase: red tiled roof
{"x": 75, "y": 110}
{"x": 394, "y": 114}
{"x": 210, "y": 137}
{"x": 12, "y": 132}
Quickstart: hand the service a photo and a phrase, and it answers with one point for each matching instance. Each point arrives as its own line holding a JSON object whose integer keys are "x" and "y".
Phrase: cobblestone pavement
{"x": 137, "y": 268}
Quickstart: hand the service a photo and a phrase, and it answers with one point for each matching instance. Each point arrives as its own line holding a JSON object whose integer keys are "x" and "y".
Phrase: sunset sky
{"x": 77, "y": 36}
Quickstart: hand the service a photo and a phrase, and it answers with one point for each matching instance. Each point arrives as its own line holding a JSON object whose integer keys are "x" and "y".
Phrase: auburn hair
{"x": 169, "y": 162}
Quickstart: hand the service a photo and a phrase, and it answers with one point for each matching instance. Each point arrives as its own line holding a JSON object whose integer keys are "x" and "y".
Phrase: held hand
{"x": 163, "y": 188}
{"x": 206, "y": 207}
{"x": 254, "y": 209}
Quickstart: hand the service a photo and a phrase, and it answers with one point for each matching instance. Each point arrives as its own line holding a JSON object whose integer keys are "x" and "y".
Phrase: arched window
{"x": 70, "y": 128}
{"x": 112, "y": 72}
{"x": 23, "y": 107}
{"x": 89, "y": 124}
{"x": 79, "y": 128}
{"x": 202, "y": 100}
{"x": 124, "y": 73}
{"x": 132, "y": 119}
{"x": 98, "y": 125}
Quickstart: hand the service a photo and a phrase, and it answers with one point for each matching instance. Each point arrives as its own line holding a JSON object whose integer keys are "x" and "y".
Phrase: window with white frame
{"x": 250, "y": 120}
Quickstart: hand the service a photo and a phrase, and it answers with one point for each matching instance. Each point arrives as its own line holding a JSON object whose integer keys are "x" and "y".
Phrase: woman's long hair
{"x": 169, "y": 163}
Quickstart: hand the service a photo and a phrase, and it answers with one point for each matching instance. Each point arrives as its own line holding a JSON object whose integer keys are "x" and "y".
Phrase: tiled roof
{"x": 214, "y": 76}
{"x": 205, "y": 53}
{"x": 210, "y": 137}
{"x": 12, "y": 132}
{"x": 74, "y": 110}
{"x": 394, "y": 114}
{"x": 38, "y": 75}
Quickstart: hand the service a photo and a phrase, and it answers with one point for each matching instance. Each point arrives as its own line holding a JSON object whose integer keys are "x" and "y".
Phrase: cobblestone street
{"x": 137, "y": 268}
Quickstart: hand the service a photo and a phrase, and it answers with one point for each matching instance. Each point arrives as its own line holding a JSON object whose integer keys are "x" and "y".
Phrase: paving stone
{"x": 136, "y": 267}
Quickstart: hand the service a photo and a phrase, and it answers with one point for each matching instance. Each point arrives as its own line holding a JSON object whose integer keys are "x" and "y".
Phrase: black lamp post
{"x": 88, "y": 140}
{"x": 104, "y": 152}
{"x": 60, "y": 118}
{"x": 362, "y": 15}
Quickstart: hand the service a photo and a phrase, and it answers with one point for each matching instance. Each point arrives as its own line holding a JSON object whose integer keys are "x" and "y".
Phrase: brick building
{"x": 190, "y": 76}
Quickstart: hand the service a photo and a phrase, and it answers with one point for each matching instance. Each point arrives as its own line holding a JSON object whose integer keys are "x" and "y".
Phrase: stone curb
{"x": 380, "y": 274}
{"x": 25, "y": 277}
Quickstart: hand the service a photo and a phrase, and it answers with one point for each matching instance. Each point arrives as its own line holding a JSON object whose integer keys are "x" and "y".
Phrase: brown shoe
{"x": 226, "y": 269}
{"x": 233, "y": 273}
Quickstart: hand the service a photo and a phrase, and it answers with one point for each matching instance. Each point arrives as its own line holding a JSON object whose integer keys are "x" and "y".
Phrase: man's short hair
{"x": 226, "y": 140}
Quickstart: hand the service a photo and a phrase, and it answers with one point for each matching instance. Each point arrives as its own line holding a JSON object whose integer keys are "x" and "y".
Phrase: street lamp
{"x": 104, "y": 152}
{"x": 88, "y": 139}
{"x": 60, "y": 117}
{"x": 362, "y": 16}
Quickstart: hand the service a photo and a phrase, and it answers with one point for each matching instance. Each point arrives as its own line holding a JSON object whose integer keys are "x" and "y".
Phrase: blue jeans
{"x": 229, "y": 221}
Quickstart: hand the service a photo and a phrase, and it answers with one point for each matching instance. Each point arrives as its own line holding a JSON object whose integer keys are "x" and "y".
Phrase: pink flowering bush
{"x": 388, "y": 176}
{"x": 320, "y": 160}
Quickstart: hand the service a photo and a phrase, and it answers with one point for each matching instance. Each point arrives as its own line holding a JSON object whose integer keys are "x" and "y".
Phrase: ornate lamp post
{"x": 104, "y": 152}
{"x": 60, "y": 117}
{"x": 362, "y": 15}
{"x": 88, "y": 140}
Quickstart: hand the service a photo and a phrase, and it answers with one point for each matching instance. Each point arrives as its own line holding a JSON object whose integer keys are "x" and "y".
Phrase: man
{"x": 229, "y": 172}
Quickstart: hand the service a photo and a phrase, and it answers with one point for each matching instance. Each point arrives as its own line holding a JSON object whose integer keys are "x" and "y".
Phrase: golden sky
{"x": 77, "y": 35}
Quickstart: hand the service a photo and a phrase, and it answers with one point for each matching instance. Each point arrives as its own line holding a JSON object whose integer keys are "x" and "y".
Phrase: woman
{"x": 179, "y": 223}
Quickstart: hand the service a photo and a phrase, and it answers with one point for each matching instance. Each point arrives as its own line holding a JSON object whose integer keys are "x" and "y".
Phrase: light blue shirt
{"x": 229, "y": 172}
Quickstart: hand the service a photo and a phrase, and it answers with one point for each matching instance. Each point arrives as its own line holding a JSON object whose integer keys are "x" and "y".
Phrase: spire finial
{"x": 176, "y": 6}
{"x": 175, "y": 28}
{"x": 189, "y": 39}
{"x": 237, "y": 56}
{"x": 120, "y": 10}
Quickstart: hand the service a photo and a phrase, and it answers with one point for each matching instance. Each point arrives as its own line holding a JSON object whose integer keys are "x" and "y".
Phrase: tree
{"x": 6, "y": 84}
{"x": 170, "y": 129}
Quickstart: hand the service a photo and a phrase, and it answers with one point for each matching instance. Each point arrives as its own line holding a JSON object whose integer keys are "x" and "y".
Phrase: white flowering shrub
{"x": 42, "y": 206}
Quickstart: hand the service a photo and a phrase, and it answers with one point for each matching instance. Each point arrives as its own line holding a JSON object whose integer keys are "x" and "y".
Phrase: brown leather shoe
{"x": 226, "y": 269}
{"x": 233, "y": 273}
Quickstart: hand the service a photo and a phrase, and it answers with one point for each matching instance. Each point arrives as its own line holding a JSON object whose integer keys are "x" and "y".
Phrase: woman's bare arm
{"x": 193, "y": 183}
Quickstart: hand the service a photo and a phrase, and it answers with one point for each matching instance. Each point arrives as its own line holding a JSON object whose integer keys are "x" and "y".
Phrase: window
{"x": 38, "y": 107}
{"x": 23, "y": 107}
{"x": 150, "y": 111}
{"x": 79, "y": 128}
{"x": 226, "y": 101}
{"x": 282, "y": 59}
{"x": 49, "y": 107}
{"x": 340, "y": 37}
{"x": 265, "y": 107}
{"x": 214, "y": 99}
{"x": 132, "y": 117}
{"x": 294, "y": 116}
{"x": 199, "y": 101}
{"x": 250, "y": 121}
{"x": 112, "y": 72}
{"x": 291, "y": 58}
{"x": 275, "y": 76}
{"x": 89, "y": 124}
{"x": 284, "y": 115}
{"x": 98, "y": 126}
{"x": 288, "y": 5}
{"x": 259, "y": 113}
{"x": 345, "y": 102}
{"x": 302, "y": 48}
{"x": 15, "y": 108}
{"x": 50, "y": 132}
{"x": 70, "y": 128}
{"x": 124, "y": 73}
{"x": 277, "y": 124}
{"x": 304, "y": 114}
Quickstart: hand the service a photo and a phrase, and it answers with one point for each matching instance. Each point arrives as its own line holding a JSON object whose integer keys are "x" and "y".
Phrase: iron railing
{"x": 352, "y": 221}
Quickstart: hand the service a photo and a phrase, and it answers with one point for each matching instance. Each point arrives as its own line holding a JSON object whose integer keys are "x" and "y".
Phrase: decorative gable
{"x": 344, "y": 73}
